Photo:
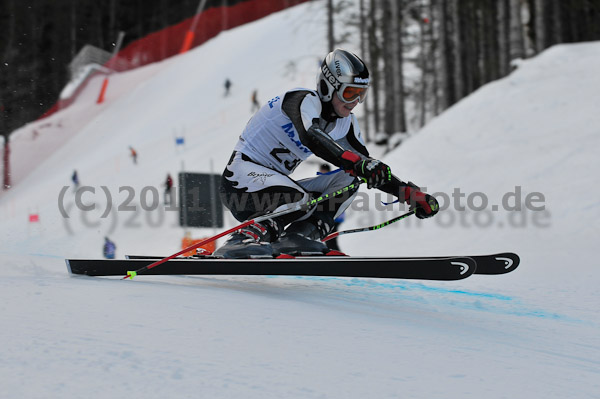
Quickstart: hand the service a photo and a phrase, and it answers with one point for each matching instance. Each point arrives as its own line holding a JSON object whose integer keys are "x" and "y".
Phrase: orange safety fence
{"x": 173, "y": 39}
{"x": 187, "y": 241}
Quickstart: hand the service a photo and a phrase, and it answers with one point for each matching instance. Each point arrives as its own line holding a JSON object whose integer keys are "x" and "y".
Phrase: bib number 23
{"x": 289, "y": 164}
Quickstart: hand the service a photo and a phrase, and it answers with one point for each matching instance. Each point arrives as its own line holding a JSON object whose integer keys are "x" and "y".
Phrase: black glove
{"x": 374, "y": 172}
{"x": 427, "y": 207}
{"x": 424, "y": 205}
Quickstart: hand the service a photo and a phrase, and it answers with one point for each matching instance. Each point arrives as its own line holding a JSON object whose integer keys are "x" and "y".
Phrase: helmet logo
{"x": 330, "y": 78}
{"x": 361, "y": 80}
{"x": 338, "y": 68}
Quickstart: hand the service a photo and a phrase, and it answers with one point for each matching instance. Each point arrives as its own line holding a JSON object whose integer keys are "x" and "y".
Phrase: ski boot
{"x": 303, "y": 238}
{"x": 253, "y": 241}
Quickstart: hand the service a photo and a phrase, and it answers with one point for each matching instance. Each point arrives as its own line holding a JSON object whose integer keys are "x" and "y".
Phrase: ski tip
{"x": 511, "y": 261}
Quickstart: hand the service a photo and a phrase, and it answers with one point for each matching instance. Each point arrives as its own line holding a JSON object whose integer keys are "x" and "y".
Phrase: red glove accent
{"x": 353, "y": 158}
{"x": 412, "y": 195}
{"x": 350, "y": 156}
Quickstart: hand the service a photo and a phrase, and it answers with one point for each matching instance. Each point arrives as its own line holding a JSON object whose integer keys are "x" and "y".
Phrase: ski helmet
{"x": 344, "y": 73}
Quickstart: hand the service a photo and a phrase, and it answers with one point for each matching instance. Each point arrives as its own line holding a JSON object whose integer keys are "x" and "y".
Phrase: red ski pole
{"x": 305, "y": 206}
{"x": 132, "y": 274}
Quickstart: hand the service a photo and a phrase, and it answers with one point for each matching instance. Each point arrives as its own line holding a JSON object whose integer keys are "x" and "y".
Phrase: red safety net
{"x": 169, "y": 41}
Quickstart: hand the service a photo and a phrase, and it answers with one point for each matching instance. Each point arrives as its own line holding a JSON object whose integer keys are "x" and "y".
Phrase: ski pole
{"x": 375, "y": 227}
{"x": 305, "y": 206}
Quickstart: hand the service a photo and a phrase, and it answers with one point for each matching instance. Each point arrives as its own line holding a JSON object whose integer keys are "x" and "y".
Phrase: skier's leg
{"x": 248, "y": 190}
{"x": 303, "y": 237}
{"x": 329, "y": 183}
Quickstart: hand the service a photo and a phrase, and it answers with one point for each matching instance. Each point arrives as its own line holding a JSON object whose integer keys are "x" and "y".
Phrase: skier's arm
{"x": 331, "y": 150}
{"x": 374, "y": 172}
{"x": 423, "y": 204}
{"x": 303, "y": 108}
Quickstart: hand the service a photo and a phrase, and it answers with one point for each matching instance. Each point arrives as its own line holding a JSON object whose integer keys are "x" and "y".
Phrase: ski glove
{"x": 424, "y": 205}
{"x": 374, "y": 172}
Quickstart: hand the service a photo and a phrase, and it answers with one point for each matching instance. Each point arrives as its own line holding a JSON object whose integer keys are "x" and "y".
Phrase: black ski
{"x": 499, "y": 263}
{"x": 452, "y": 268}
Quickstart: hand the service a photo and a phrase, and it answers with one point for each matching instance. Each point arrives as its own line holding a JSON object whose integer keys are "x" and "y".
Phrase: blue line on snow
{"x": 490, "y": 302}
{"x": 47, "y": 256}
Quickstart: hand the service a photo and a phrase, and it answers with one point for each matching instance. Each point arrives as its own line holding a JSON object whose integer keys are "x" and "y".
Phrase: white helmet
{"x": 344, "y": 73}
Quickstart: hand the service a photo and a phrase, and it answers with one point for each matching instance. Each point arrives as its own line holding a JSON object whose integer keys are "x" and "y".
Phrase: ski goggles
{"x": 348, "y": 93}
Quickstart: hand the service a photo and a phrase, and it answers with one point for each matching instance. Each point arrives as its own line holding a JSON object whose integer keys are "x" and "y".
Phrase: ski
{"x": 500, "y": 263}
{"x": 452, "y": 268}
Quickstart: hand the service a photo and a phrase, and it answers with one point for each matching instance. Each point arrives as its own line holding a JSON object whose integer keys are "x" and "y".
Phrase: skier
{"x": 285, "y": 132}
{"x": 109, "y": 248}
{"x": 255, "y": 103}
{"x": 133, "y": 154}
{"x": 227, "y": 86}
{"x": 168, "y": 189}
{"x": 75, "y": 180}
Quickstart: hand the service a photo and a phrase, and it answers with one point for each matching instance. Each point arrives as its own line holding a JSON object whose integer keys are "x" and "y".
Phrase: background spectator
{"x": 227, "y": 87}
{"x": 75, "y": 179}
{"x": 109, "y": 248}
{"x": 133, "y": 154}
{"x": 168, "y": 190}
{"x": 255, "y": 103}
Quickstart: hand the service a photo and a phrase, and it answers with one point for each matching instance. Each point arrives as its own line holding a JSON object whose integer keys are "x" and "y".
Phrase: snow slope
{"x": 532, "y": 333}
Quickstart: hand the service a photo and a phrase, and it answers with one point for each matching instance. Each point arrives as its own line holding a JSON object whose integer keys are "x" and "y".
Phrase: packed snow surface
{"x": 528, "y": 140}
